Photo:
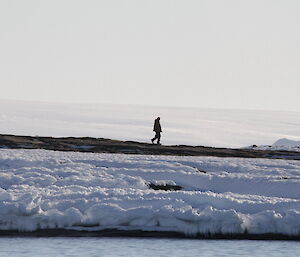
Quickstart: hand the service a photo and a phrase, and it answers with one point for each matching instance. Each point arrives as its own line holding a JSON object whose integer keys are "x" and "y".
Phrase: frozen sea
{"x": 192, "y": 126}
{"x": 134, "y": 247}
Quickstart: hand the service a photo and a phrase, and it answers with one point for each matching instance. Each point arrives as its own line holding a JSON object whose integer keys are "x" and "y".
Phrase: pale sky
{"x": 201, "y": 53}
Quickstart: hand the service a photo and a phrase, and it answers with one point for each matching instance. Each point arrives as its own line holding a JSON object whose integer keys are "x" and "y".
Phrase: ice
{"x": 192, "y": 126}
{"x": 50, "y": 189}
{"x": 287, "y": 142}
{"x": 282, "y": 144}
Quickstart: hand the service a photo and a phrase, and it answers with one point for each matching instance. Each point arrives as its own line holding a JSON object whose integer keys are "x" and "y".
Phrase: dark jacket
{"x": 157, "y": 127}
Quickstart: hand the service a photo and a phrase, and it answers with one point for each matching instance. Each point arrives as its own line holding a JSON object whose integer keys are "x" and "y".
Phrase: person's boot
{"x": 152, "y": 140}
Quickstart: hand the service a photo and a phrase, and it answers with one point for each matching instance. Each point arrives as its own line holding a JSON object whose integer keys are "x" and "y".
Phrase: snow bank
{"x": 282, "y": 144}
{"x": 84, "y": 191}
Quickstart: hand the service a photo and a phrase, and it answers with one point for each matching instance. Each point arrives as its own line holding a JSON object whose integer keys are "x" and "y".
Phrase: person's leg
{"x": 158, "y": 137}
{"x": 154, "y": 138}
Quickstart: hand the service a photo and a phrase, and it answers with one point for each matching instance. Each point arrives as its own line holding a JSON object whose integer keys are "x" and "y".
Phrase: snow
{"x": 87, "y": 191}
{"x": 282, "y": 144}
{"x": 191, "y": 126}
{"x": 287, "y": 142}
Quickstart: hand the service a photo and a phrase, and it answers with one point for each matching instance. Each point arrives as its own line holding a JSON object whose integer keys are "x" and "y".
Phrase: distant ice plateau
{"x": 287, "y": 143}
{"x": 190, "y": 126}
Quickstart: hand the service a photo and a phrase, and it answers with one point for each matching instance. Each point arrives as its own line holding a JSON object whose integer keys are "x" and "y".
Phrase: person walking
{"x": 157, "y": 130}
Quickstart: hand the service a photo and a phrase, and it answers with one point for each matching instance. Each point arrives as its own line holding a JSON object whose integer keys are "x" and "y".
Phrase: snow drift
{"x": 42, "y": 189}
{"x": 282, "y": 144}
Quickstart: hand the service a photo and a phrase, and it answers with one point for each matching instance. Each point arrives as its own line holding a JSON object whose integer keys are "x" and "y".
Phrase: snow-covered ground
{"x": 48, "y": 189}
{"x": 193, "y": 126}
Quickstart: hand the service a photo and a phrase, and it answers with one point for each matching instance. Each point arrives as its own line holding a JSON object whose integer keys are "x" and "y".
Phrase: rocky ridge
{"x": 102, "y": 145}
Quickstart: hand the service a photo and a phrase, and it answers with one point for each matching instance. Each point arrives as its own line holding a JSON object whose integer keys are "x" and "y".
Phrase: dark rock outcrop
{"x": 102, "y": 145}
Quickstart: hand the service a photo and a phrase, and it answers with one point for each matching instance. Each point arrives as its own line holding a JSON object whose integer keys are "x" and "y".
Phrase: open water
{"x": 133, "y": 247}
